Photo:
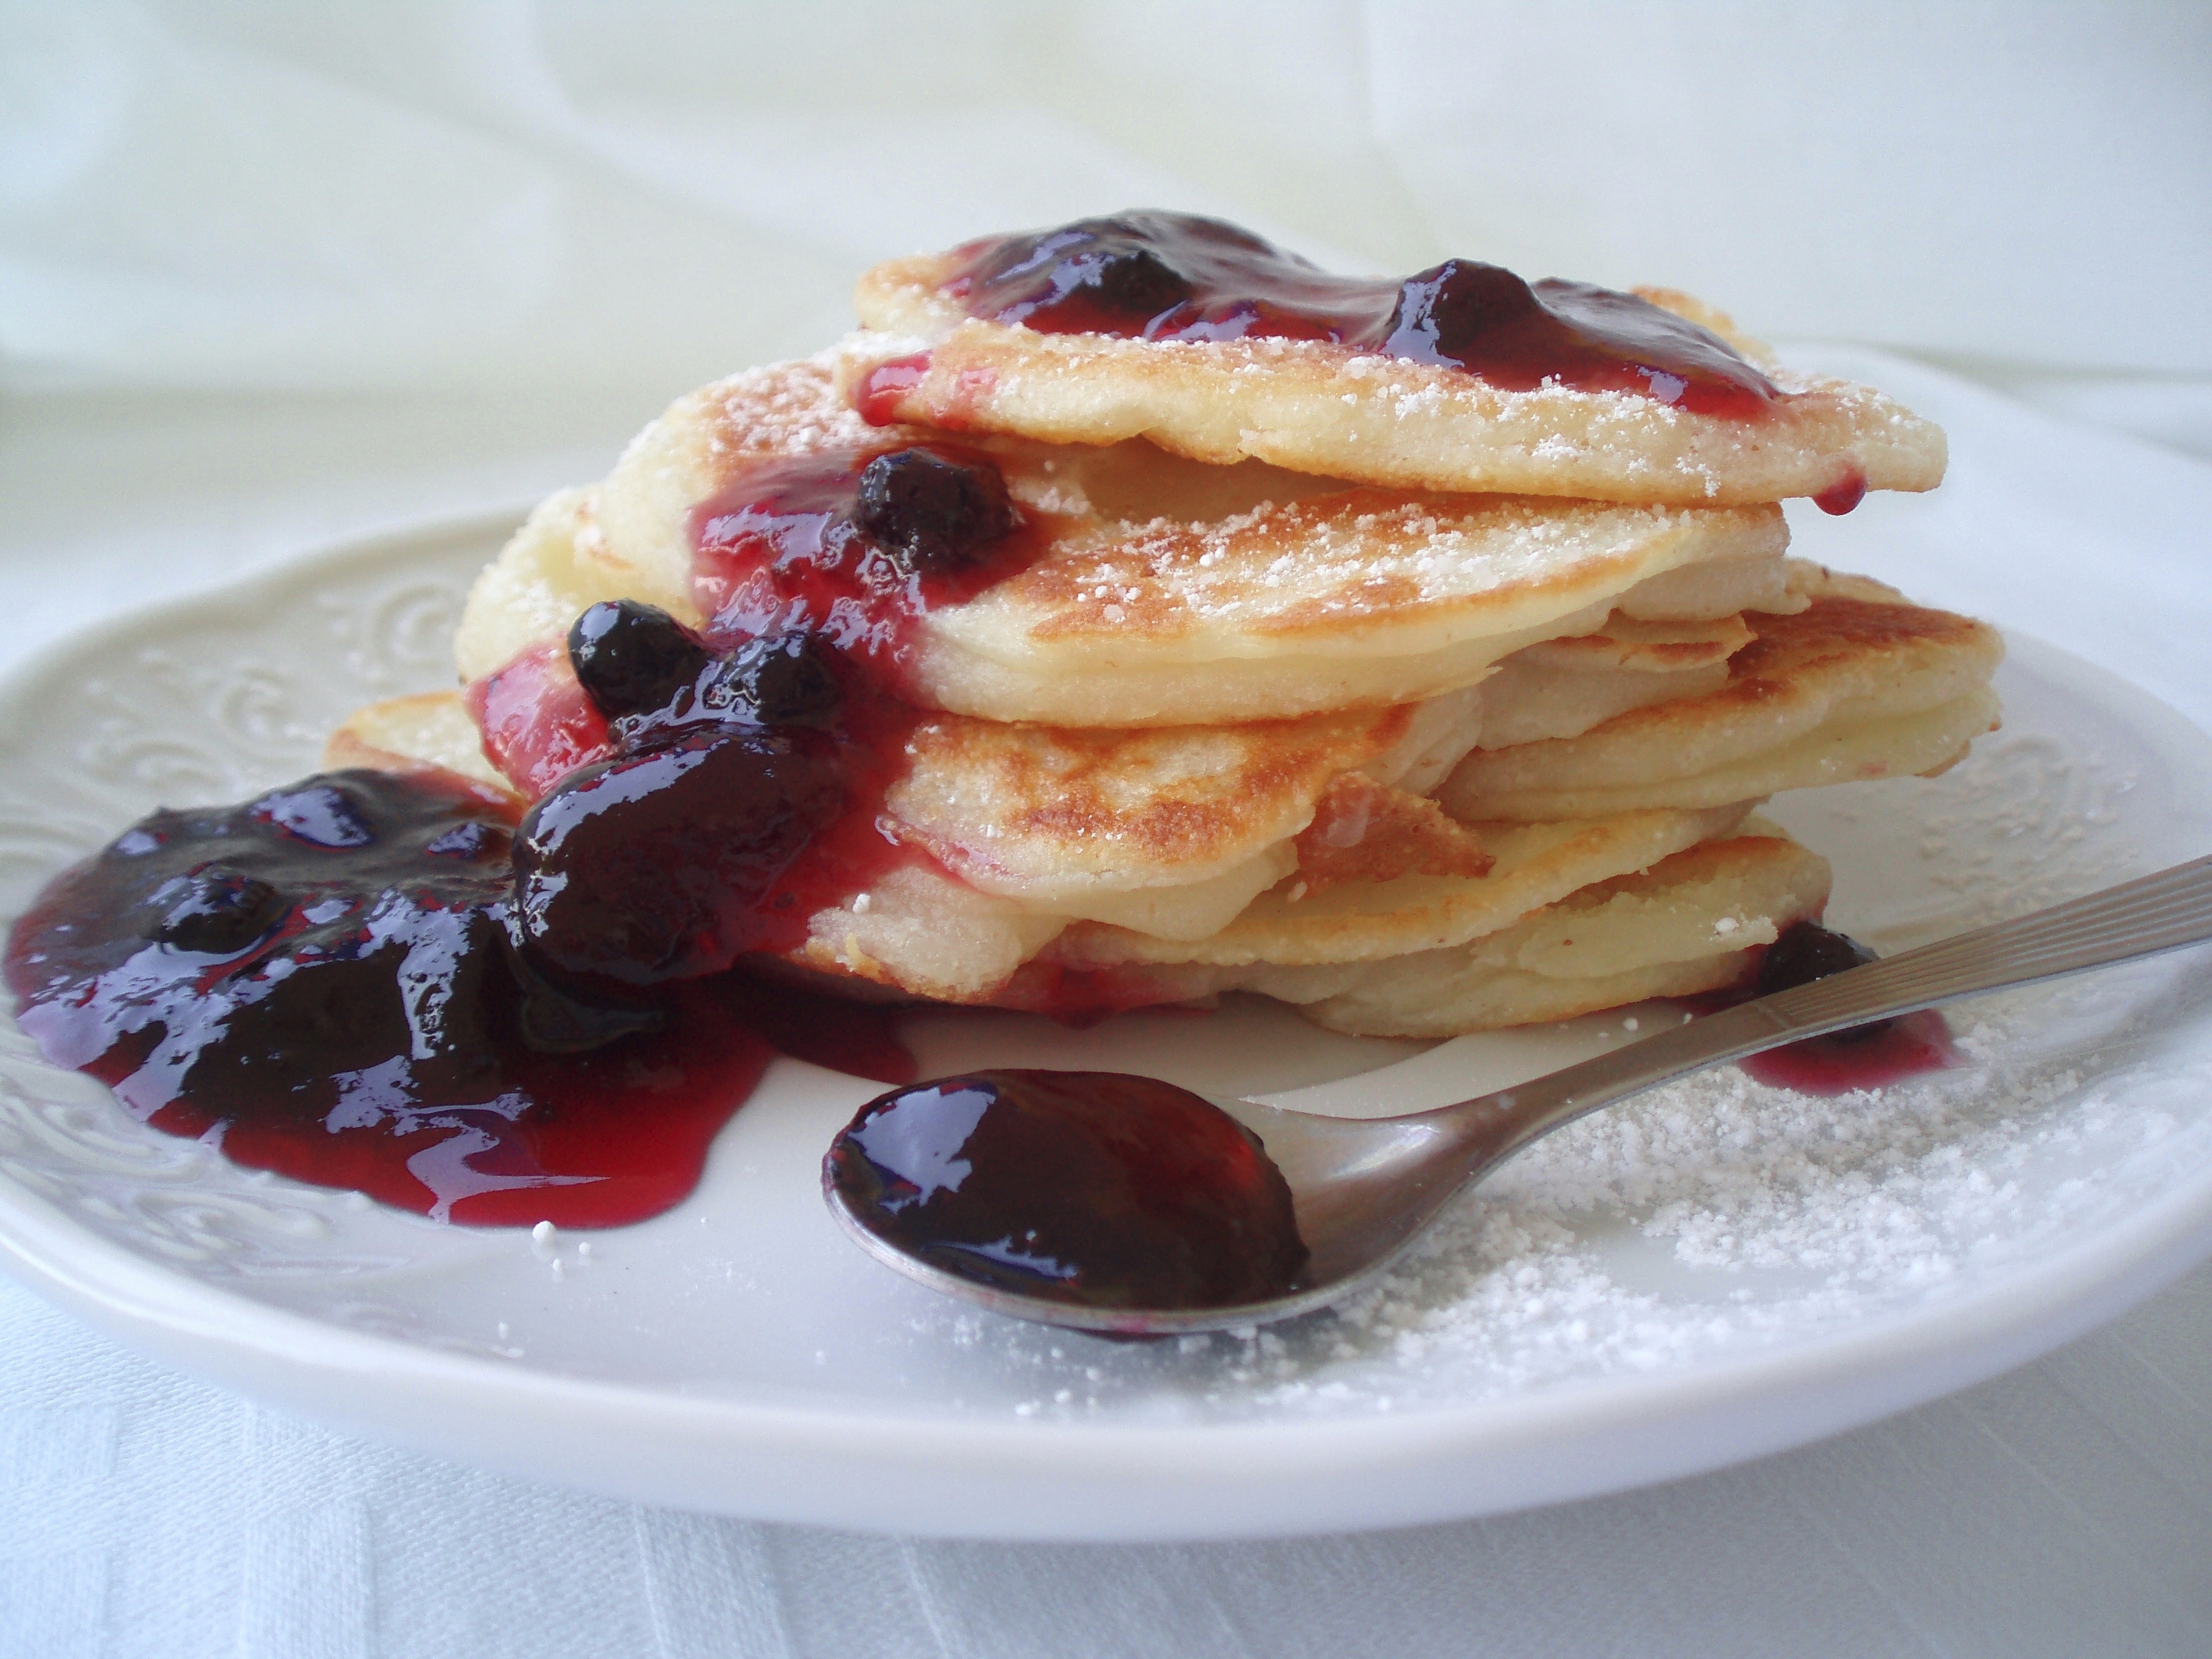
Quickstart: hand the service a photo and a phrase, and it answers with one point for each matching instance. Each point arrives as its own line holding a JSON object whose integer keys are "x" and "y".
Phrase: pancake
{"x": 1862, "y": 683}
{"x": 1563, "y": 687}
{"x": 1173, "y": 830}
{"x": 1296, "y": 924}
{"x": 1161, "y": 591}
{"x": 1017, "y": 831}
{"x": 431, "y": 731}
{"x": 1348, "y": 410}
{"x": 1693, "y": 923}
{"x": 1152, "y": 850}
{"x": 919, "y": 933}
{"x": 902, "y": 934}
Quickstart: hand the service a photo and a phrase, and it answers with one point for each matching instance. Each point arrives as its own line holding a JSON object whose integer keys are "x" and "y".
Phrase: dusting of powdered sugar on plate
{"x": 1721, "y": 1217}
{"x": 1716, "y": 1217}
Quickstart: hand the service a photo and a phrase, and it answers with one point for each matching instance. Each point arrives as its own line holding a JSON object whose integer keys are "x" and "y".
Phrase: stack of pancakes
{"x": 1427, "y": 706}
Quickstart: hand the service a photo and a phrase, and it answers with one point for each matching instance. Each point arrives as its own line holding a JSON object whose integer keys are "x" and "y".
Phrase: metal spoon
{"x": 1363, "y": 1188}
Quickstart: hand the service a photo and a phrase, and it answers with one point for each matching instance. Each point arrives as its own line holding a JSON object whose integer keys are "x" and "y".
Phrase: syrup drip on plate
{"x": 399, "y": 984}
{"x": 1096, "y": 1188}
{"x": 1175, "y": 277}
{"x": 329, "y": 981}
{"x": 1860, "y": 1057}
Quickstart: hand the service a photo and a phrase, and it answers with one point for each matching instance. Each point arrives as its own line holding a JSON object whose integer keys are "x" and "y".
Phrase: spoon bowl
{"x": 1363, "y": 1189}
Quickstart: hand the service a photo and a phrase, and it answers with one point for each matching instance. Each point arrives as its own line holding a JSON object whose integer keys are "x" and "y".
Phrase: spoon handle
{"x": 2142, "y": 918}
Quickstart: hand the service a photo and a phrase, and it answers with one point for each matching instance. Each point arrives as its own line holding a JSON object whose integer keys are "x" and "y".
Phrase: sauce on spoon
{"x": 1094, "y": 1188}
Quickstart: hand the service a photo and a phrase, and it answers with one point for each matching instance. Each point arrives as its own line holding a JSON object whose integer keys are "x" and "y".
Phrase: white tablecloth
{"x": 2064, "y": 1510}
{"x": 267, "y": 279}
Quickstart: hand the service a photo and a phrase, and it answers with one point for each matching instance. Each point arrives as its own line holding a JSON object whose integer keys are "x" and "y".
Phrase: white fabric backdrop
{"x": 559, "y": 196}
{"x": 272, "y": 273}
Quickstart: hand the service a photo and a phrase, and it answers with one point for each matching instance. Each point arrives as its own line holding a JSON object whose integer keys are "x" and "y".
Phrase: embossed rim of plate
{"x": 1044, "y": 1480}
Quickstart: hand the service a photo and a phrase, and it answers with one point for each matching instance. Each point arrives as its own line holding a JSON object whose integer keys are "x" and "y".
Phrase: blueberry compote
{"x": 849, "y": 547}
{"x": 387, "y": 983}
{"x": 705, "y": 793}
{"x": 733, "y": 786}
{"x": 1091, "y": 1187}
{"x": 538, "y": 724}
{"x": 1173, "y": 276}
{"x": 327, "y": 982}
{"x": 1860, "y": 1057}
{"x": 856, "y": 545}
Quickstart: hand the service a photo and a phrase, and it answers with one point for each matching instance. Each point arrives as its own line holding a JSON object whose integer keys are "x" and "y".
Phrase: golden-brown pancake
{"x": 1296, "y": 923}
{"x": 1691, "y": 923}
{"x": 1168, "y": 831}
{"x": 1314, "y": 406}
{"x": 1862, "y": 683}
{"x": 430, "y": 730}
{"x": 1171, "y": 830}
{"x": 1168, "y": 592}
{"x": 1562, "y": 688}
{"x": 1149, "y": 850}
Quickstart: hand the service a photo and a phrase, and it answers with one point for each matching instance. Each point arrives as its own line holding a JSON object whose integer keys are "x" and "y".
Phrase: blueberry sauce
{"x": 396, "y": 983}
{"x": 856, "y": 545}
{"x": 1173, "y": 277}
{"x": 848, "y": 548}
{"x": 703, "y": 794}
{"x": 331, "y": 981}
{"x": 537, "y": 723}
{"x": 1089, "y": 1187}
{"x": 880, "y": 388}
{"x": 1862, "y": 1057}
{"x": 1841, "y": 497}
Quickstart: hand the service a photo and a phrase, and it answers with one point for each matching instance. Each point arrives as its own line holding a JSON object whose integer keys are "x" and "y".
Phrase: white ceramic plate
{"x": 1709, "y": 1274}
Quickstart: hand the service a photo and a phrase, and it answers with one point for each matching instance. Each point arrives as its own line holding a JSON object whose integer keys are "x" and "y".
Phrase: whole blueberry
{"x": 781, "y": 679}
{"x": 213, "y": 910}
{"x": 632, "y": 658}
{"x": 930, "y": 510}
{"x": 1806, "y": 951}
{"x": 1442, "y": 314}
